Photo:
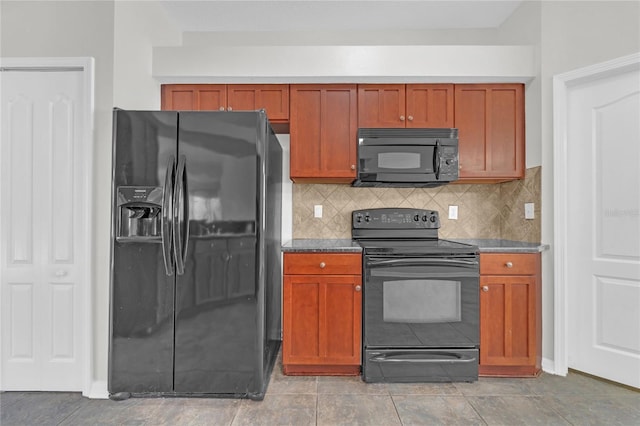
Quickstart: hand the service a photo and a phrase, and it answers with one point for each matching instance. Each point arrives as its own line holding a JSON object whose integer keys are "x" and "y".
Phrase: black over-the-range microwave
{"x": 407, "y": 157}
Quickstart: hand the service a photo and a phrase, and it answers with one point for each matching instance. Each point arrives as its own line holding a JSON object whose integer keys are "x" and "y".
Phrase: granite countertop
{"x": 321, "y": 245}
{"x": 502, "y": 246}
{"x": 347, "y": 245}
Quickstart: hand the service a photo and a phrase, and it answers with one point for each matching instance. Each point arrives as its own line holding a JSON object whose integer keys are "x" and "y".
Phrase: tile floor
{"x": 546, "y": 400}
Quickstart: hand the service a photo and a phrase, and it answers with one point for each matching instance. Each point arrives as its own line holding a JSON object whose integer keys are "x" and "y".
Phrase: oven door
{"x": 421, "y": 319}
{"x": 421, "y": 302}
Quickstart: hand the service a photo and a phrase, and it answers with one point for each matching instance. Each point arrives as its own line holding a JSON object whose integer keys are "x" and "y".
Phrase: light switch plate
{"x": 317, "y": 211}
{"x": 528, "y": 211}
{"x": 453, "y": 212}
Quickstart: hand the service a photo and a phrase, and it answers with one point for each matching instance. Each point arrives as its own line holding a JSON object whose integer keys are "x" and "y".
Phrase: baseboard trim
{"x": 98, "y": 390}
{"x": 549, "y": 366}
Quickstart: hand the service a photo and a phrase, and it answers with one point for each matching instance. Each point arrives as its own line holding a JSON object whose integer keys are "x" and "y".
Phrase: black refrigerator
{"x": 195, "y": 254}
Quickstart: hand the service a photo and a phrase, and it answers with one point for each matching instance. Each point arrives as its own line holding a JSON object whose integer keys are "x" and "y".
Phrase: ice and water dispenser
{"x": 140, "y": 212}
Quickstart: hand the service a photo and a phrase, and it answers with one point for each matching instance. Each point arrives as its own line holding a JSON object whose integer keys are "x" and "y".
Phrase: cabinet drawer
{"x": 508, "y": 264}
{"x": 323, "y": 263}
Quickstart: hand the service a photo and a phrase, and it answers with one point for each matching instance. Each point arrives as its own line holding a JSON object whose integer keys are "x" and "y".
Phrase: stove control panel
{"x": 395, "y": 218}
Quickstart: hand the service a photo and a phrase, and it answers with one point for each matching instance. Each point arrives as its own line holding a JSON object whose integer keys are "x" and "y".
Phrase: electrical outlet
{"x": 317, "y": 210}
{"x": 528, "y": 211}
{"x": 453, "y": 212}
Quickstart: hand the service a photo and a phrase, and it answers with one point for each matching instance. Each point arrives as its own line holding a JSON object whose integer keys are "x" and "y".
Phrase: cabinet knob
{"x": 61, "y": 273}
{"x": 353, "y": 167}
{"x": 410, "y": 118}
{"x": 402, "y": 118}
{"x": 358, "y": 288}
{"x": 509, "y": 265}
{"x": 229, "y": 109}
{"x": 485, "y": 288}
{"x": 322, "y": 265}
{"x": 221, "y": 108}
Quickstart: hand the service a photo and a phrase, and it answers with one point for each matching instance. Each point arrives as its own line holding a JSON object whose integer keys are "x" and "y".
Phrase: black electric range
{"x": 420, "y": 301}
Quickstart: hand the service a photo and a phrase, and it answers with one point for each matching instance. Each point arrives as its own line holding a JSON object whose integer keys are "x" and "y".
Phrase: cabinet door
{"x": 490, "y": 120}
{"x": 381, "y": 105}
{"x": 508, "y": 320}
{"x": 274, "y": 98}
{"x": 342, "y": 320}
{"x": 429, "y": 105}
{"x": 321, "y": 320}
{"x": 323, "y": 123}
{"x": 193, "y": 97}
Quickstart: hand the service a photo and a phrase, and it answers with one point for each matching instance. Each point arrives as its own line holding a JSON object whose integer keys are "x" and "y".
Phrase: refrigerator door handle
{"x": 180, "y": 217}
{"x": 167, "y": 217}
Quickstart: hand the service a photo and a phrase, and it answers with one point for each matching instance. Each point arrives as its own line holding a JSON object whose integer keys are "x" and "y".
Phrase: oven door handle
{"x": 447, "y": 357}
{"x": 372, "y": 263}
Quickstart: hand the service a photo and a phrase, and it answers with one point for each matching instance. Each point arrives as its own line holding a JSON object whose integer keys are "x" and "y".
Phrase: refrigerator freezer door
{"x": 142, "y": 294}
{"x": 218, "y": 318}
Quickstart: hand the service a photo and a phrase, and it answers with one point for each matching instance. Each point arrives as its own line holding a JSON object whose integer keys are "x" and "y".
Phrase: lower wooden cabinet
{"x": 510, "y": 314}
{"x": 322, "y": 313}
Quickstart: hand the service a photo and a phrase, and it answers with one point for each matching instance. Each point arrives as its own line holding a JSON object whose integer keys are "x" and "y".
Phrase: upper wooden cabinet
{"x": 323, "y": 127}
{"x": 274, "y": 98}
{"x": 490, "y": 121}
{"x": 193, "y": 97}
{"x": 410, "y": 105}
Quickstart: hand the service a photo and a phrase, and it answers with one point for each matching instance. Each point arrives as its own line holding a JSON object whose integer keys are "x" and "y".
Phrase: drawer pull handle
{"x": 485, "y": 288}
{"x": 509, "y": 265}
{"x": 322, "y": 265}
{"x": 358, "y": 288}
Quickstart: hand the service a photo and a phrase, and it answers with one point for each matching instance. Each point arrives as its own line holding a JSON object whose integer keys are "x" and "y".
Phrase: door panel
{"x": 470, "y": 119}
{"x": 323, "y": 132}
{"x": 342, "y": 309}
{"x": 217, "y": 346}
{"x": 381, "y": 105}
{"x": 42, "y": 250}
{"x": 603, "y": 247}
{"x": 429, "y": 105}
{"x": 142, "y": 294}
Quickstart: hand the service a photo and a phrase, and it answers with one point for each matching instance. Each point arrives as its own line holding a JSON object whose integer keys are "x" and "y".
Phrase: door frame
{"x": 562, "y": 86}
{"x": 84, "y": 157}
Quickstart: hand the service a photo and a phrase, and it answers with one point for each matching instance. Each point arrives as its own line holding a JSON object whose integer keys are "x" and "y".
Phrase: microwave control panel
{"x": 449, "y": 162}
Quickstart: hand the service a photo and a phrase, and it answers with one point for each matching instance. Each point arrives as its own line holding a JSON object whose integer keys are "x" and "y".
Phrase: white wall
{"x": 574, "y": 35}
{"x": 139, "y": 25}
{"x": 523, "y": 27}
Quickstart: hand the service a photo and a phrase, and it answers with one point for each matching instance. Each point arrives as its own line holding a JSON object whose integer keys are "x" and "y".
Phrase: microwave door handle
{"x": 436, "y": 160}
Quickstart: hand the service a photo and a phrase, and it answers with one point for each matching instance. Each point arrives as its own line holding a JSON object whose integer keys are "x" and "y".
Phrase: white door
{"x": 41, "y": 247}
{"x": 603, "y": 219}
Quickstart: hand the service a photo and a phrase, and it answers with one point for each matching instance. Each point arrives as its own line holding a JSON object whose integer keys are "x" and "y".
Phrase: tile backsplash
{"x": 484, "y": 210}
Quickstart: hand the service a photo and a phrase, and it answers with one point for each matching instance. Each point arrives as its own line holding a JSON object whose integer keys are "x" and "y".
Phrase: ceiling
{"x": 333, "y": 15}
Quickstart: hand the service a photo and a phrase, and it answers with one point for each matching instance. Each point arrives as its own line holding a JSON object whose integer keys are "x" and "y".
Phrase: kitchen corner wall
{"x": 484, "y": 210}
